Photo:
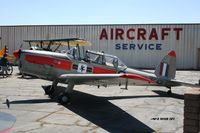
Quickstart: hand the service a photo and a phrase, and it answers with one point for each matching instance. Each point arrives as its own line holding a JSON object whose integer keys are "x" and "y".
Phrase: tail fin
{"x": 167, "y": 67}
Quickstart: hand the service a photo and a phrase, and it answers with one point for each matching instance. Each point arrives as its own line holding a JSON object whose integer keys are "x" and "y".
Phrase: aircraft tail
{"x": 167, "y": 67}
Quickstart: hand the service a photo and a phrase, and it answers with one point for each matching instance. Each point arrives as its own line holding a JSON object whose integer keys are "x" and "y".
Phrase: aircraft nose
{"x": 17, "y": 53}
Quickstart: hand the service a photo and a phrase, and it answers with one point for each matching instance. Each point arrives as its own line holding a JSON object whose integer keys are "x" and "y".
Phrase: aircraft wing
{"x": 85, "y": 78}
{"x": 64, "y": 42}
{"x": 114, "y": 79}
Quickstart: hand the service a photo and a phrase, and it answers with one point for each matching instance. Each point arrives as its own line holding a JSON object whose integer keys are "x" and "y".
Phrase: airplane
{"x": 79, "y": 66}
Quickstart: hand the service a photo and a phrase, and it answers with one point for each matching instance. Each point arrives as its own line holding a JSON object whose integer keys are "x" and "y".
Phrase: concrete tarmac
{"x": 93, "y": 110}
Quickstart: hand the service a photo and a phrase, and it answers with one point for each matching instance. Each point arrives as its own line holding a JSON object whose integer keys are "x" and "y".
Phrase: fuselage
{"x": 50, "y": 65}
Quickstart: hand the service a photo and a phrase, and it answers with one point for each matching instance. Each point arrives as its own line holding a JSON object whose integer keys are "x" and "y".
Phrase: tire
{"x": 9, "y": 70}
{"x": 63, "y": 99}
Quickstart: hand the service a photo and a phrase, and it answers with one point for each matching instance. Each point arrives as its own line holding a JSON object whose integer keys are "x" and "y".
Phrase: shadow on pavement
{"x": 99, "y": 111}
{"x": 27, "y": 77}
{"x": 173, "y": 95}
{"x": 104, "y": 114}
{"x": 31, "y": 101}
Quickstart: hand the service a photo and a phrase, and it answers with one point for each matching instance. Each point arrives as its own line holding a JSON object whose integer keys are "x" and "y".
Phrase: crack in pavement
{"x": 38, "y": 120}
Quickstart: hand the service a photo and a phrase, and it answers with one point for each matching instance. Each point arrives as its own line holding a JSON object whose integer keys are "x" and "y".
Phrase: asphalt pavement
{"x": 93, "y": 109}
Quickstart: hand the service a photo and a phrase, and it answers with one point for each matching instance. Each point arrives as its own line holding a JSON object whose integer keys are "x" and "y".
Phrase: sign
{"x": 141, "y": 36}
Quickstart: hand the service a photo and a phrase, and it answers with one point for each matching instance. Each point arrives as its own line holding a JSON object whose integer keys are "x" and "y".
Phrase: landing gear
{"x": 64, "y": 98}
{"x": 169, "y": 92}
{"x": 49, "y": 90}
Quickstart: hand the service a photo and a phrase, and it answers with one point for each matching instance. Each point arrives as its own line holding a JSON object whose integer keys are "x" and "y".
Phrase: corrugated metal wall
{"x": 186, "y": 46}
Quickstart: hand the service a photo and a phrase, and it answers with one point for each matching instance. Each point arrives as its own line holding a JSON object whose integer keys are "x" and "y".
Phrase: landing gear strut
{"x": 64, "y": 97}
{"x": 49, "y": 90}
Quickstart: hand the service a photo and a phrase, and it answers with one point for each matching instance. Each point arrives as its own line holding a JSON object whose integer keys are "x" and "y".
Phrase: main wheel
{"x": 9, "y": 70}
{"x": 63, "y": 98}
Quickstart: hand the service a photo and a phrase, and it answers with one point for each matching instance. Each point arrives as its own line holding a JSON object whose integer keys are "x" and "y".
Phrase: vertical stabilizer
{"x": 167, "y": 67}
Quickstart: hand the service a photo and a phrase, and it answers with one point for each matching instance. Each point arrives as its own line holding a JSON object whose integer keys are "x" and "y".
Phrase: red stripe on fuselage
{"x": 98, "y": 70}
{"x": 42, "y": 60}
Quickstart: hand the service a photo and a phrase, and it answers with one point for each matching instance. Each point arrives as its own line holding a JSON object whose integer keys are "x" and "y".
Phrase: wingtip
{"x": 172, "y": 53}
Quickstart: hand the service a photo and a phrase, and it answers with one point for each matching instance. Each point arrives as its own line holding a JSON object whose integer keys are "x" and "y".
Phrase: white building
{"x": 137, "y": 45}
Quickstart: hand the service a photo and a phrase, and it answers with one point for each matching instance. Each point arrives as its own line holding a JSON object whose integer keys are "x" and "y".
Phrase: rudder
{"x": 167, "y": 67}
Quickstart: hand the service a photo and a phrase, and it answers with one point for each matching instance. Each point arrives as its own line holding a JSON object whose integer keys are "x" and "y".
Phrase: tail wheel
{"x": 9, "y": 70}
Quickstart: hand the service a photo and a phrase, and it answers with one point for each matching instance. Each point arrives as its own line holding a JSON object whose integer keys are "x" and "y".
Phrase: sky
{"x": 70, "y": 12}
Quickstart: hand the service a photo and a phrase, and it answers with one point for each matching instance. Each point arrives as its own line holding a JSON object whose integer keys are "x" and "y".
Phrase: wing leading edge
{"x": 94, "y": 77}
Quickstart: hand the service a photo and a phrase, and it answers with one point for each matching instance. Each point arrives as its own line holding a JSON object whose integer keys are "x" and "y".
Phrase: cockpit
{"x": 103, "y": 59}
{"x": 73, "y": 53}
{"x": 76, "y": 51}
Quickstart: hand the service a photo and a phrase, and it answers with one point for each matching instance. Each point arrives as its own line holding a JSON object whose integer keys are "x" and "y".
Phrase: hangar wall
{"x": 137, "y": 45}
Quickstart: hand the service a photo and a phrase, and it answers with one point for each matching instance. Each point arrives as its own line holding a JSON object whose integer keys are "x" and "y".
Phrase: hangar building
{"x": 137, "y": 45}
